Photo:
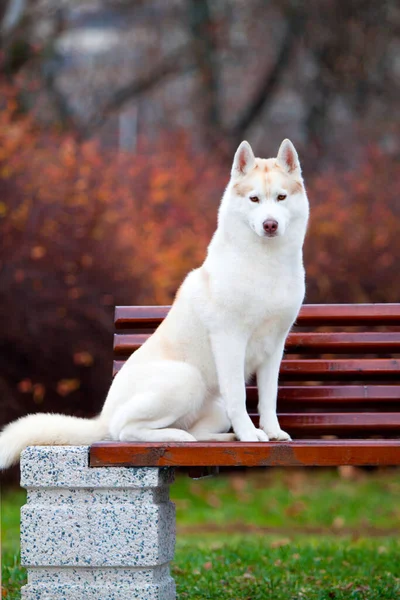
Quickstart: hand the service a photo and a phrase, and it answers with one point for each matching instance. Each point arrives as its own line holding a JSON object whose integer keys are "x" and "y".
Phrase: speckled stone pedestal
{"x": 95, "y": 533}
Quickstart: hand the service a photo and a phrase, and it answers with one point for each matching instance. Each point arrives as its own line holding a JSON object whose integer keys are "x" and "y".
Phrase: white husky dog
{"x": 229, "y": 320}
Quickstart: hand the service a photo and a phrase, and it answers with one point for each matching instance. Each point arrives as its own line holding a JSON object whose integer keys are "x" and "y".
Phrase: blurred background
{"x": 118, "y": 124}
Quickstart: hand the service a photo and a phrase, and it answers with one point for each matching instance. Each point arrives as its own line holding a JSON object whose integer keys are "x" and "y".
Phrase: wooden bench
{"x": 339, "y": 394}
{"x": 98, "y": 523}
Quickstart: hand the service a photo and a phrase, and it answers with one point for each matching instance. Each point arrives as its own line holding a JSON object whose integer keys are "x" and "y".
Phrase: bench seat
{"x": 339, "y": 394}
{"x": 301, "y": 453}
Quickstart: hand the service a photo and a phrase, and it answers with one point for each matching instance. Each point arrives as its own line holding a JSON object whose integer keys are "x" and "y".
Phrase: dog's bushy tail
{"x": 45, "y": 429}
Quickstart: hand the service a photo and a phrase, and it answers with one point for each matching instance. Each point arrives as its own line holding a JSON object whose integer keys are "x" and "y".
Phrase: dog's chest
{"x": 279, "y": 306}
{"x": 258, "y": 298}
{"x": 264, "y": 301}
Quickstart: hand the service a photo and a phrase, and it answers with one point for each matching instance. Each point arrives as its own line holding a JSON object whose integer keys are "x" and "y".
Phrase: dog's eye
{"x": 254, "y": 198}
{"x": 281, "y": 196}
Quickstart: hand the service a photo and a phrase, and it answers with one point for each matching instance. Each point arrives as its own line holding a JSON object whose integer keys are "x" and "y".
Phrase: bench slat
{"x": 341, "y": 394}
{"x": 337, "y": 423}
{"x": 319, "y": 370}
{"x": 334, "y": 397}
{"x": 376, "y": 368}
{"x": 349, "y": 314}
{"x": 321, "y": 453}
{"x": 310, "y": 314}
{"x": 345, "y": 343}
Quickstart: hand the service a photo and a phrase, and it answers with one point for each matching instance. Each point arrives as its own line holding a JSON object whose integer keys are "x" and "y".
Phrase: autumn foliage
{"x": 84, "y": 228}
{"x": 352, "y": 248}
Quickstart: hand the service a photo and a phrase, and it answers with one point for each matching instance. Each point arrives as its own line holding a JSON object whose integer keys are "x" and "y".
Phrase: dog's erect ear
{"x": 244, "y": 160}
{"x": 287, "y": 157}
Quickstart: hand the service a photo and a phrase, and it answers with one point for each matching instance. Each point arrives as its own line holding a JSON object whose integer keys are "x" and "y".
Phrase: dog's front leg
{"x": 229, "y": 356}
{"x": 267, "y": 383}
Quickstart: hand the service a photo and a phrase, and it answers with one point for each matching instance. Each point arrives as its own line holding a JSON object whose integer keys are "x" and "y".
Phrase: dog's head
{"x": 268, "y": 194}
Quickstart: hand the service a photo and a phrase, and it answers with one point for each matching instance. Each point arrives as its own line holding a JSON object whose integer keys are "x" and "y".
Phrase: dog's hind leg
{"x": 138, "y": 432}
{"x": 213, "y": 424}
{"x": 166, "y": 402}
{"x": 133, "y": 423}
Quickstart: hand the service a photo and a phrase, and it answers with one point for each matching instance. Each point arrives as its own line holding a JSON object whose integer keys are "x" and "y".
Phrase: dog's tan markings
{"x": 296, "y": 187}
{"x": 267, "y": 164}
{"x": 278, "y": 167}
{"x": 267, "y": 180}
{"x": 242, "y": 189}
{"x": 293, "y": 186}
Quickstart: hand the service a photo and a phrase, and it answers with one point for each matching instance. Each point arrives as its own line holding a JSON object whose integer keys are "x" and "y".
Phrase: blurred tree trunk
{"x": 205, "y": 56}
{"x": 294, "y": 27}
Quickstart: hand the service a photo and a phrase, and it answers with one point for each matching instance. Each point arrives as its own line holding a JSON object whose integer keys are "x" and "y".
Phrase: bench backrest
{"x": 340, "y": 375}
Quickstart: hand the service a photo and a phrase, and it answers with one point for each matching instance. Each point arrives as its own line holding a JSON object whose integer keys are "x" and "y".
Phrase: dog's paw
{"x": 247, "y": 436}
{"x": 277, "y": 435}
{"x": 262, "y": 436}
{"x": 253, "y": 435}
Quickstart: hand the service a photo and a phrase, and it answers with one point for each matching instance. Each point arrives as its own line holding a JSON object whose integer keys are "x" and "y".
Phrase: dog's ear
{"x": 244, "y": 160}
{"x": 287, "y": 157}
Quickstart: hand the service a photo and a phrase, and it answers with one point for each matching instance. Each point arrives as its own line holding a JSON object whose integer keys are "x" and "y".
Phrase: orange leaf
{"x": 67, "y": 386}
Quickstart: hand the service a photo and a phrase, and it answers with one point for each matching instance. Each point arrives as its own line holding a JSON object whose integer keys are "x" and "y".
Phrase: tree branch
{"x": 59, "y": 101}
{"x": 12, "y": 16}
{"x": 204, "y": 50}
{"x": 177, "y": 62}
{"x": 264, "y": 95}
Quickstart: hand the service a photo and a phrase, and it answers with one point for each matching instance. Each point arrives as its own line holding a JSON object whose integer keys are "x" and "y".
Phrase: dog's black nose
{"x": 270, "y": 226}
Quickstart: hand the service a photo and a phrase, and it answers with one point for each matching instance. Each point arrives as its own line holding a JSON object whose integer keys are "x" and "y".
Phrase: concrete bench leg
{"x": 95, "y": 533}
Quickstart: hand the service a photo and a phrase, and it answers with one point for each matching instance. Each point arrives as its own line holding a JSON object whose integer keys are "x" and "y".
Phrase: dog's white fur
{"x": 230, "y": 319}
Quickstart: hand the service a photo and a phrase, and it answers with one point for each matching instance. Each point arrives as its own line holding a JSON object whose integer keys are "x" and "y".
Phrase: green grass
{"x": 11, "y": 501}
{"x": 258, "y": 568}
{"x": 292, "y": 499}
{"x": 247, "y": 536}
